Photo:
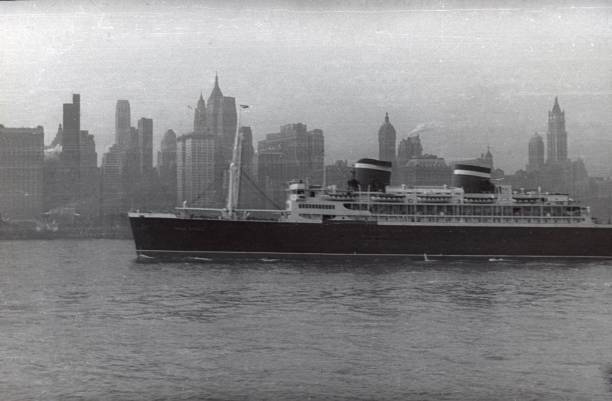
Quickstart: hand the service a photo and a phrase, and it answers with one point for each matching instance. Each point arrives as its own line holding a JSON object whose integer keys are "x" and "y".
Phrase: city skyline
{"x": 426, "y": 67}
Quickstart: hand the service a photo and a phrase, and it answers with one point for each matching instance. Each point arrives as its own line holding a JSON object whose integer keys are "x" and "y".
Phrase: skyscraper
{"x": 113, "y": 201}
{"x": 214, "y": 103}
{"x": 409, "y": 148}
{"x": 166, "y": 157}
{"x": 131, "y": 168}
{"x": 487, "y": 158}
{"x": 199, "y": 118}
{"x": 536, "y": 153}
{"x": 71, "y": 138}
{"x": 246, "y": 198}
{"x": 230, "y": 124}
{"x": 196, "y": 167}
{"x": 203, "y": 156}
{"x": 221, "y": 120}
{"x": 293, "y": 153}
{"x": 76, "y": 174}
{"x": 386, "y": 141}
{"x": 556, "y": 135}
{"x": 122, "y": 123}
{"x": 425, "y": 170}
{"x": 89, "y": 175}
{"x": 338, "y": 174}
{"x": 145, "y": 146}
{"x": 21, "y": 172}
{"x": 166, "y": 168}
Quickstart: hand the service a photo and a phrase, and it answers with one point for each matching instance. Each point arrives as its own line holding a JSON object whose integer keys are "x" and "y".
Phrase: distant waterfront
{"x": 20, "y": 233}
{"x": 81, "y": 320}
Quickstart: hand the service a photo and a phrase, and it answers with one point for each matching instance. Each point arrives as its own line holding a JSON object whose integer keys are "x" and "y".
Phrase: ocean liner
{"x": 473, "y": 218}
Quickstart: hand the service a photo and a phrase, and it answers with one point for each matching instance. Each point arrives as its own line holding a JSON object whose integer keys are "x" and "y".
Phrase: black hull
{"x": 175, "y": 237}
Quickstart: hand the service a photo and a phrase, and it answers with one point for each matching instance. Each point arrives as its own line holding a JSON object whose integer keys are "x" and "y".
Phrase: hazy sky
{"x": 479, "y": 73}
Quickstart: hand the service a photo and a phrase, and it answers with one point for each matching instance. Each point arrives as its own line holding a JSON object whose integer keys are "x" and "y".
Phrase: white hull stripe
{"x": 372, "y": 166}
{"x": 142, "y": 251}
{"x": 472, "y": 173}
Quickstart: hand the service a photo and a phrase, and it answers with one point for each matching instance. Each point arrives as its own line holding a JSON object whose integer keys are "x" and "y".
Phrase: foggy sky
{"x": 475, "y": 73}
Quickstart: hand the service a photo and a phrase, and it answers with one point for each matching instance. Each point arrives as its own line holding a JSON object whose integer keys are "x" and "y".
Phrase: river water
{"x": 81, "y": 320}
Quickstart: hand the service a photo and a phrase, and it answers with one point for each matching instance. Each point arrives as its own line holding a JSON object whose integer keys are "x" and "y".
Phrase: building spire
{"x": 216, "y": 92}
{"x": 386, "y": 117}
{"x": 201, "y": 105}
{"x": 556, "y": 108}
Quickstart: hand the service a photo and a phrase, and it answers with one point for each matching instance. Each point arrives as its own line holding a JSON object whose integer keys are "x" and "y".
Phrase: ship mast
{"x": 234, "y": 170}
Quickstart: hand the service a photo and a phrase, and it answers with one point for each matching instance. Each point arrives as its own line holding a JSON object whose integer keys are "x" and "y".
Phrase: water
{"x": 80, "y": 320}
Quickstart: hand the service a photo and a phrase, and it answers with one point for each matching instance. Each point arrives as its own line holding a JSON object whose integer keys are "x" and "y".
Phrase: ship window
{"x": 314, "y": 206}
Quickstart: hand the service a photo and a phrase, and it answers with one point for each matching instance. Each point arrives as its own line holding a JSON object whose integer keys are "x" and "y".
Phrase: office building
{"x": 71, "y": 148}
{"x": 248, "y": 192}
{"x": 425, "y": 170}
{"x": 386, "y": 141}
{"x": 556, "y": 135}
{"x": 122, "y": 123}
{"x": 196, "y": 165}
{"x": 89, "y": 201}
{"x": 293, "y": 153}
{"x": 21, "y": 172}
{"x": 113, "y": 199}
{"x": 409, "y": 148}
{"x": 535, "y": 153}
{"x": 166, "y": 169}
{"x": 71, "y": 176}
{"x": 145, "y": 146}
{"x": 204, "y": 155}
{"x": 338, "y": 174}
{"x": 199, "y": 119}
{"x": 221, "y": 120}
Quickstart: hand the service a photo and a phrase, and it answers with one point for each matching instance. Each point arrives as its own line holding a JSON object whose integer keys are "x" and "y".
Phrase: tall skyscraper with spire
{"x": 386, "y": 141}
{"x": 487, "y": 158}
{"x": 215, "y": 105}
{"x": 203, "y": 156}
{"x": 558, "y": 173}
{"x": 221, "y": 119}
{"x": 199, "y": 118}
{"x": 556, "y": 136}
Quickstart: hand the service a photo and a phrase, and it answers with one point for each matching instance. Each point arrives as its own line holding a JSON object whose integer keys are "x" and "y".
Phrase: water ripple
{"x": 81, "y": 321}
